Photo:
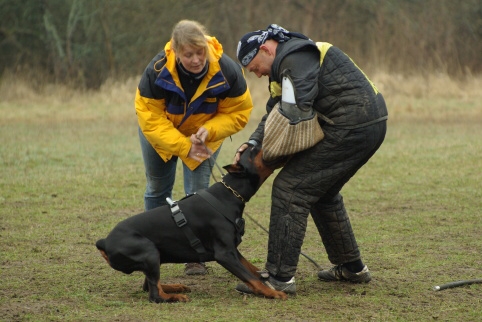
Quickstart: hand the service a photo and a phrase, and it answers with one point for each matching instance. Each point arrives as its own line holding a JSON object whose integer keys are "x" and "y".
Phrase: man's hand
{"x": 243, "y": 147}
{"x": 240, "y": 150}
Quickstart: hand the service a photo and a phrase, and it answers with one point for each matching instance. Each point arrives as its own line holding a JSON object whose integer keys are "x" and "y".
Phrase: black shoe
{"x": 340, "y": 273}
{"x": 287, "y": 287}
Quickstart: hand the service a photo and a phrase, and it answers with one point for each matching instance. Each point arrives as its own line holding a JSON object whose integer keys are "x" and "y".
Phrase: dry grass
{"x": 431, "y": 97}
{"x": 436, "y": 97}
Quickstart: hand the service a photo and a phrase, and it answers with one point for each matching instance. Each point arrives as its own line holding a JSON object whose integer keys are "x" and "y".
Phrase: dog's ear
{"x": 234, "y": 168}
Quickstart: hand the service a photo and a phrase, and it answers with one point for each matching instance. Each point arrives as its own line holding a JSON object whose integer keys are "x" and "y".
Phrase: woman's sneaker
{"x": 340, "y": 273}
{"x": 195, "y": 269}
{"x": 287, "y": 287}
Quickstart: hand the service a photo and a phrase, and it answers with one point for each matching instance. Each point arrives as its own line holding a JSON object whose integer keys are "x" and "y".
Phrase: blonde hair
{"x": 188, "y": 32}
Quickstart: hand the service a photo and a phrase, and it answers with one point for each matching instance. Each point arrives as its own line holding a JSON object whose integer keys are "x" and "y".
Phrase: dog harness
{"x": 181, "y": 222}
{"x": 216, "y": 204}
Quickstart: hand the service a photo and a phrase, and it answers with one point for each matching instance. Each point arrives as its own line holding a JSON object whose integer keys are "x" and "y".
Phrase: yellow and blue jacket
{"x": 222, "y": 103}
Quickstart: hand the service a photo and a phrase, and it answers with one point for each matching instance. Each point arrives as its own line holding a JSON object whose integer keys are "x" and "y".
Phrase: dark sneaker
{"x": 340, "y": 273}
{"x": 287, "y": 287}
{"x": 195, "y": 269}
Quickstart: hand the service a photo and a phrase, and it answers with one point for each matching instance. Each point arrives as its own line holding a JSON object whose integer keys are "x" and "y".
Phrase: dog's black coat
{"x": 146, "y": 240}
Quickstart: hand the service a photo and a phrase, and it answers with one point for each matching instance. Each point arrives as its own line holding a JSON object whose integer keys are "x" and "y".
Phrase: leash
{"x": 215, "y": 163}
{"x": 306, "y": 256}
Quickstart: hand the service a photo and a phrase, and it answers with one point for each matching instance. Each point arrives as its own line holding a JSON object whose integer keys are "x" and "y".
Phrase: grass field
{"x": 71, "y": 169}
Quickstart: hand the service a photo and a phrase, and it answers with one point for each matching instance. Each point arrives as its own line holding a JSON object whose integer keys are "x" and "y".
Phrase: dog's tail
{"x": 100, "y": 244}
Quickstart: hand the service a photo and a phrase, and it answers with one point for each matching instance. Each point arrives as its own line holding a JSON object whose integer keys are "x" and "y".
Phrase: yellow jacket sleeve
{"x": 232, "y": 116}
{"x": 159, "y": 130}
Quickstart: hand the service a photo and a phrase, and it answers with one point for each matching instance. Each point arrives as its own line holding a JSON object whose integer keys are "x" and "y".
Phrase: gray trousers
{"x": 311, "y": 183}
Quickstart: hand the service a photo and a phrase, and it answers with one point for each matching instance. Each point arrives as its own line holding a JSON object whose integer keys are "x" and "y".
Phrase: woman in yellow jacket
{"x": 191, "y": 96}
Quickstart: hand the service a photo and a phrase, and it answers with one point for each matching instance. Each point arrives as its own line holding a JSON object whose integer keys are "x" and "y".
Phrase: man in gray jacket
{"x": 352, "y": 114}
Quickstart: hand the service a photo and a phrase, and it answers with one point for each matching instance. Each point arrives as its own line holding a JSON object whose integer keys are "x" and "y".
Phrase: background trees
{"x": 85, "y": 42}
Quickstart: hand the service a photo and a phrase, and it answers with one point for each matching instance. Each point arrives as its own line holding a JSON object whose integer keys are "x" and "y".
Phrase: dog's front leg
{"x": 257, "y": 285}
{"x": 248, "y": 273}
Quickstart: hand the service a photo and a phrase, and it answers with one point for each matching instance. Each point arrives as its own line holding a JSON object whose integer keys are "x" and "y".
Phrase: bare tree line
{"x": 85, "y": 42}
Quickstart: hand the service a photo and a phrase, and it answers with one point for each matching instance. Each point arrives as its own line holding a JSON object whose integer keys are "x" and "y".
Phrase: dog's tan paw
{"x": 179, "y": 298}
{"x": 175, "y": 288}
{"x": 280, "y": 295}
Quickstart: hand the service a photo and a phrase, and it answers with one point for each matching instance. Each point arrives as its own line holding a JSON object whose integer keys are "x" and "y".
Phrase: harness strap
{"x": 218, "y": 205}
{"x": 181, "y": 222}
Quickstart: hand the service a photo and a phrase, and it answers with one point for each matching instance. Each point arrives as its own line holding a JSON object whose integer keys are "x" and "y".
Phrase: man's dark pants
{"x": 311, "y": 183}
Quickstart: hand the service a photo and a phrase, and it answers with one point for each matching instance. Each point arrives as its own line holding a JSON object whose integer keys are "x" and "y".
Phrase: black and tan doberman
{"x": 205, "y": 226}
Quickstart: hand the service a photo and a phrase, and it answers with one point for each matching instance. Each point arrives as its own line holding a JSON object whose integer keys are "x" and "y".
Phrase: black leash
{"x": 215, "y": 163}
{"x": 306, "y": 256}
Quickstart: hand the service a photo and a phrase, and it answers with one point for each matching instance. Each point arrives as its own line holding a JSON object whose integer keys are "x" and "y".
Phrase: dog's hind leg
{"x": 175, "y": 288}
{"x": 153, "y": 285}
{"x": 168, "y": 288}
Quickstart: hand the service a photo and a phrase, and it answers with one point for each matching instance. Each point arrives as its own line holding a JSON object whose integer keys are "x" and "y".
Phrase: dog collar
{"x": 233, "y": 191}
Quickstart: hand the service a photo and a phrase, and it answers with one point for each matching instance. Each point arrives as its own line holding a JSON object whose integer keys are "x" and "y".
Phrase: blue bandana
{"x": 249, "y": 44}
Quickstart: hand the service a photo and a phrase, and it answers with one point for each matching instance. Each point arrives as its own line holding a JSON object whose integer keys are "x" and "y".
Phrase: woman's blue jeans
{"x": 161, "y": 175}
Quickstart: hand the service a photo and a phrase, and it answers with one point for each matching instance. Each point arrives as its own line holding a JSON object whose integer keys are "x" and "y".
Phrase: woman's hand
{"x": 199, "y": 151}
{"x": 200, "y": 136}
